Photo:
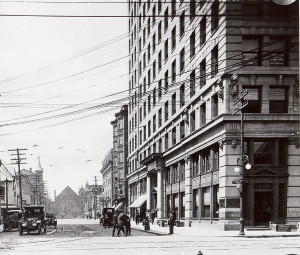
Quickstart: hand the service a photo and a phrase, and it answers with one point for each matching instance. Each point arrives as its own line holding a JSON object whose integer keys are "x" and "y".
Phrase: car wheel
{"x": 20, "y": 230}
{"x": 39, "y": 229}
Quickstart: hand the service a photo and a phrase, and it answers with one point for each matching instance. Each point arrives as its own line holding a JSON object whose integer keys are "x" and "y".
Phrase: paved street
{"x": 87, "y": 242}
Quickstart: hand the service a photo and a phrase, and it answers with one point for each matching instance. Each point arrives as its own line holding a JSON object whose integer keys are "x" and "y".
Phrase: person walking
{"x": 127, "y": 225}
{"x": 121, "y": 222}
{"x": 137, "y": 218}
{"x": 115, "y": 223}
{"x": 152, "y": 216}
{"x": 171, "y": 221}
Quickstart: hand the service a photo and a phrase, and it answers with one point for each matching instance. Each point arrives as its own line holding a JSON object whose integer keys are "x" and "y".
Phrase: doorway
{"x": 263, "y": 205}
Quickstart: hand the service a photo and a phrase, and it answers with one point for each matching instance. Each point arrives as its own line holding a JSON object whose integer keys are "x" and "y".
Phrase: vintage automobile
{"x": 11, "y": 219}
{"x": 33, "y": 219}
{"x": 51, "y": 220}
{"x": 107, "y": 214}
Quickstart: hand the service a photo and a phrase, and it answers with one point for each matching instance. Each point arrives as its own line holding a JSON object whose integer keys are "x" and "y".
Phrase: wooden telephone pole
{"x": 18, "y": 162}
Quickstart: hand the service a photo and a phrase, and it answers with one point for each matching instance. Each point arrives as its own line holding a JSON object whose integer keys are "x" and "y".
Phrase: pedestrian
{"x": 127, "y": 225}
{"x": 152, "y": 217}
{"x": 115, "y": 223}
{"x": 171, "y": 221}
{"x": 121, "y": 223}
{"x": 137, "y": 218}
{"x": 100, "y": 219}
{"x": 105, "y": 221}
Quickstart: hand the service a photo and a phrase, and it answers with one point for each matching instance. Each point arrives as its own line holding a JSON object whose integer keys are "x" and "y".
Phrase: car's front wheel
{"x": 20, "y": 228}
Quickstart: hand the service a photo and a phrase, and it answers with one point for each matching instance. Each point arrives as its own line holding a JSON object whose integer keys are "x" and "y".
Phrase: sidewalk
{"x": 204, "y": 232}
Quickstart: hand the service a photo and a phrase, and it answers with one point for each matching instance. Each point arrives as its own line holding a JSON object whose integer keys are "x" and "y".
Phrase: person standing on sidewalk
{"x": 171, "y": 221}
{"x": 127, "y": 224}
{"x": 137, "y": 218}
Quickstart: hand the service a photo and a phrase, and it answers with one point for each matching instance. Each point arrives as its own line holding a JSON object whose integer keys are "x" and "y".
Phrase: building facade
{"x": 107, "y": 180}
{"x": 120, "y": 154}
{"x": 190, "y": 64}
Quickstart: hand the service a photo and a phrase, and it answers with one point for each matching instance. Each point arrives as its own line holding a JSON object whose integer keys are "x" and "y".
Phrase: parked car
{"x": 107, "y": 214}
{"x": 33, "y": 219}
{"x": 11, "y": 219}
{"x": 51, "y": 220}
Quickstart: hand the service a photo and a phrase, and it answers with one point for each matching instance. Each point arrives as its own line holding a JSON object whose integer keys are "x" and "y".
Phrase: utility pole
{"x": 95, "y": 199}
{"x": 18, "y": 159}
{"x": 244, "y": 103}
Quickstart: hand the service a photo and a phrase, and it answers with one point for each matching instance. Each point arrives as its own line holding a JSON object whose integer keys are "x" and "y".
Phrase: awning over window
{"x": 139, "y": 201}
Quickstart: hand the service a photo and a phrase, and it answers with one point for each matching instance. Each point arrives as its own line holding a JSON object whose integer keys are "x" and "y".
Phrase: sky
{"x": 56, "y": 74}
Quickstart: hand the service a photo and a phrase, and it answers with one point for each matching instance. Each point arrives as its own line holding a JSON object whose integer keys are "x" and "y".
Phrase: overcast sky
{"x": 55, "y": 75}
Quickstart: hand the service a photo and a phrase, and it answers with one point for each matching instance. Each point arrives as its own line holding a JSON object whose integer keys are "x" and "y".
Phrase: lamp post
{"x": 244, "y": 103}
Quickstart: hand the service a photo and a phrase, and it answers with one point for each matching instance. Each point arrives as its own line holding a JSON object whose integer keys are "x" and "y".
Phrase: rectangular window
{"x": 160, "y": 145}
{"x": 159, "y": 118}
{"x": 195, "y": 165}
{"x": 153, "y": 15}
{"x": 154, "y": 97}
{"x": 215, "y": 15}
{"x": 214, "y": 106}
{"x": 144, "y": 61}
{"x": 159, "y": 61}
{"x": 202, "y": 114}
{"x": 149, "y": 26}
{"x": 166, "y": 141}
{"x": 144, "y": 85}
{"x": 205, "y": 161}
{"x": 192, "y": 44}
{"x": 154, "y": 42}
{"x": 149, "y": 78}
{"x": 202, "y": 31}
{"x": 182, "y": 95}
{"x": 166, "y": 50}
{"x": 202, "y": 73}
{"x": 159, "y": 92}
{"x": 174, "y": 103}
{"x": 145, "y": 112}
{"x": 192, "y": 83}
{"x": 173, "y": 6}
{"x": 174, "y": 71}
{"x": 154, "y": 123}
{"x": 192, "y": 122}
{"x": 251, "y": 50}
{"x": 182, "y": 130}
{"x": 149, "y": 52}
{"x": 182, "y": 60}
{"x": 192, "y": 9}
{"x": 214, "y": 61}
{"x": 154, "y": 69}
{"x": 145, "y": 133}
{"x": 254, "y": 99}
{"x": 149, "y": 103}
{"x": 166, "y": 19}
{"x": 174, "y": 136}
{"x": 279, "y": 50}
{"x": 278, "y": 101}
{"x": 166, "y": 81}
{"x": 159, "y": 31}
{"x": 182, "y": 24}
{"x": 173, "y": 38}
{"x": 166, "y": 111}
{"x": 149, "y": 128}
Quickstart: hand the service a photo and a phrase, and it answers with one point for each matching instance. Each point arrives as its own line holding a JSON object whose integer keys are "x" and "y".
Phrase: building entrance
{"x": 263, "y": 205}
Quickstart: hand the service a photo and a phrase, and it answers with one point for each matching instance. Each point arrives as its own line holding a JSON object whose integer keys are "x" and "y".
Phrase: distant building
{"x": 107, "y": 180}
{"x": 67, "y": 204}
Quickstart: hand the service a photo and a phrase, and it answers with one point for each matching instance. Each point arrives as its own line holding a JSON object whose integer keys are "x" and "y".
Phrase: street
{"x": 93, "y": 239}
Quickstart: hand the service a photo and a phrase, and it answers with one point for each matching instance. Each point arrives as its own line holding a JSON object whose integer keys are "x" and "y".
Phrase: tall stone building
{"x": 120, "y": 154}
{"x": 191, "y": 65}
